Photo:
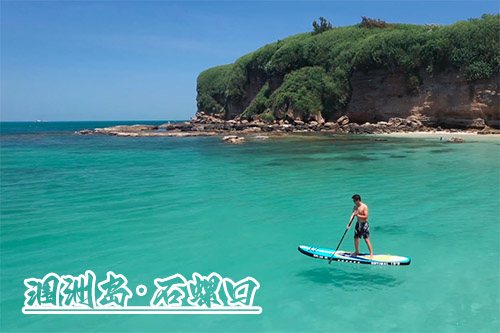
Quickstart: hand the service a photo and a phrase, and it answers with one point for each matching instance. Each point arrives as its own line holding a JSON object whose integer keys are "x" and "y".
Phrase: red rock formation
{"x": 445, "y": 99}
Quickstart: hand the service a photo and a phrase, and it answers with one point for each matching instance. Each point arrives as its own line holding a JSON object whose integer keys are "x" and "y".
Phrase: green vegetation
{"x": 307, "y": 90}
{"x": 211, "y": 87}
{"x": 310, "y": 72}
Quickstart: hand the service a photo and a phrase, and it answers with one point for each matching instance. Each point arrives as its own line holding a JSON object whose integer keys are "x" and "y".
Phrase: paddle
{"x": 345, "y": 232}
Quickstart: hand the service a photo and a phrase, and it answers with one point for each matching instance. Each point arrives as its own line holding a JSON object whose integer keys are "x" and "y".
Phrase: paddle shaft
{"x": 345, "y": 232}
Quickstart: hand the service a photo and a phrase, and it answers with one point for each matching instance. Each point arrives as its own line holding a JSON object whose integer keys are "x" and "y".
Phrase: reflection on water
{"x": 350, "y": 281}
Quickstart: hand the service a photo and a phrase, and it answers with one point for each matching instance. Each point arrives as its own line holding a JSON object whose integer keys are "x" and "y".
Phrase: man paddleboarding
{"x": 362, "y": 228}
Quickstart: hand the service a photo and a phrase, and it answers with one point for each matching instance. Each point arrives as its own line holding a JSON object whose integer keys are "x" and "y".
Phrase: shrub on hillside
{"x": 373, "y": 23}
{"x": 322, "y": 26}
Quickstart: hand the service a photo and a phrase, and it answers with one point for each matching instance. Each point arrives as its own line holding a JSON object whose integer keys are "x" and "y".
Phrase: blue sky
{"x": 139, "y": 60}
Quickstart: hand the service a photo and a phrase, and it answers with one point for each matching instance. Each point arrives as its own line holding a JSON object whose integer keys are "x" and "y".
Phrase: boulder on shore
{"x": 234, "y": 139}
{"x": 456, "y": 140}
{"x": 84, "y": 132}
{"x": 343, "y": 121}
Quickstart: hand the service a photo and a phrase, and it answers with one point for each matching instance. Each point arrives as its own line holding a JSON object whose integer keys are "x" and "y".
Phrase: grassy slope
{"x": 315, "y": 69}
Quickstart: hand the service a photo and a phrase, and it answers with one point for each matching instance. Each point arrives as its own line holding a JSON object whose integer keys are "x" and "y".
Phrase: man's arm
{"x": 363, "y": 213}
{"x": 352, "y": 218}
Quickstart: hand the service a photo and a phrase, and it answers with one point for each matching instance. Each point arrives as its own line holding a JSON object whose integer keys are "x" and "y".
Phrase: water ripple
{"x": 350, "y": 281}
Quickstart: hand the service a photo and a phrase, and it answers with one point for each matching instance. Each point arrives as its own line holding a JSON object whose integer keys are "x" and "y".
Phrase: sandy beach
{"x": 440, "y": 134}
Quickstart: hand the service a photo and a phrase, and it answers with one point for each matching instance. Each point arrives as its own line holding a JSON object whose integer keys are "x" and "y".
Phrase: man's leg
{"x": 356, "y": 246}
{"x": 367, "y": 240}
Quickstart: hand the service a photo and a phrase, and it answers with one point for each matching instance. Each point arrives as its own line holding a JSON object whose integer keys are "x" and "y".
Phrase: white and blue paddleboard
{"x": 362, "y": 258}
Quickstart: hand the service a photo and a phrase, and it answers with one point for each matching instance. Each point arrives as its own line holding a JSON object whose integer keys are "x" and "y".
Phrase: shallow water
{"x": 155, "y": 206}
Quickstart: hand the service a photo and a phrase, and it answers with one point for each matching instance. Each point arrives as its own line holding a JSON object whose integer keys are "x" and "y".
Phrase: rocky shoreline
{"x": 211, "y": 125}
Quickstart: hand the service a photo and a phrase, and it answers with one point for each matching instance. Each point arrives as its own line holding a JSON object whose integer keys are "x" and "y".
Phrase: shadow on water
{"x": 304, "y": 159}
{"x": 390, "y": 229}
{"x": 291, "y": 161}
{"x": 359, "y": 158}
{"x": 439, "y": 151}
{"x": 274, "y": 163}
{"x": 350, "y": 281}
{"x": 403, "y": 230}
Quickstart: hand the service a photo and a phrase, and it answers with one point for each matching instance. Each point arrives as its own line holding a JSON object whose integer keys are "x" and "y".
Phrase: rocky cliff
{"x": 446, "y": 99}
{"x": 444, "y": 76}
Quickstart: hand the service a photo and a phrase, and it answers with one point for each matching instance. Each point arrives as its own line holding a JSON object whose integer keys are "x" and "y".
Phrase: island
{"x": 373, "y": 77}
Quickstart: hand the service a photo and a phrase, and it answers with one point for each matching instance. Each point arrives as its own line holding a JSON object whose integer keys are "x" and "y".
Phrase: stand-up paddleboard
{"x": 362, "y": 258}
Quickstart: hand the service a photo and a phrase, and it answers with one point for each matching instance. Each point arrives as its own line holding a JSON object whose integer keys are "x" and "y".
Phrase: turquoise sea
{"x": 152, "y": 207}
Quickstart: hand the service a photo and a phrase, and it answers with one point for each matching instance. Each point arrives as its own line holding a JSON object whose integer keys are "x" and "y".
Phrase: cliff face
{"x": 446, "y": 99}
{"x": 256, "y": 79}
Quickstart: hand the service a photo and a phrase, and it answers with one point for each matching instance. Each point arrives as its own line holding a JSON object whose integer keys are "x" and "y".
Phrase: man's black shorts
{"x": 362, "y": 229}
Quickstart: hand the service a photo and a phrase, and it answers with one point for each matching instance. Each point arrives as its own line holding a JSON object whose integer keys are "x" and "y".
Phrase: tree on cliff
{"x": 323, "y": 26}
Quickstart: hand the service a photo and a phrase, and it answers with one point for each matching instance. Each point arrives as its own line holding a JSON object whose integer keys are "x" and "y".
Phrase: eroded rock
{"x": 234, "y": 139}
{"x": 456, "y": 140}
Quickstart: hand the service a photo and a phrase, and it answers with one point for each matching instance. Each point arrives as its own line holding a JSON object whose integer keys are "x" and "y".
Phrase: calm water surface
{"x": 152, "y": 207}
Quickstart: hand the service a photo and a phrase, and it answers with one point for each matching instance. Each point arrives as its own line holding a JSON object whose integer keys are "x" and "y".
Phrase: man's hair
{"x": 356, "y": 197}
